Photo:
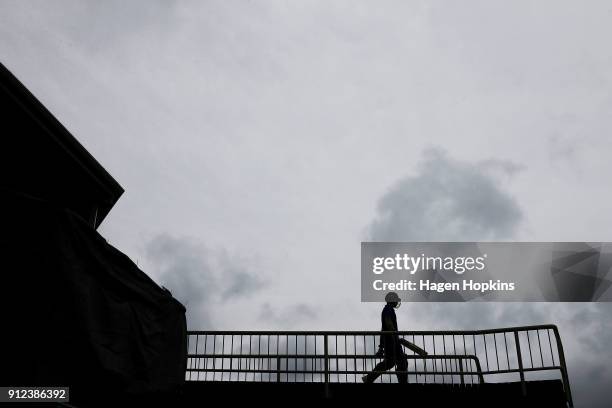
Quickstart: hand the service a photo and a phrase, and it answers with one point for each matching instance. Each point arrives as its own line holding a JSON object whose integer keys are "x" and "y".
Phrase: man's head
{"x": 393, "y": 300}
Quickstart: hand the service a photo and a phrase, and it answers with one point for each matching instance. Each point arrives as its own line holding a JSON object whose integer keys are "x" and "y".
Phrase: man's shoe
{"x": 364, "y": 379}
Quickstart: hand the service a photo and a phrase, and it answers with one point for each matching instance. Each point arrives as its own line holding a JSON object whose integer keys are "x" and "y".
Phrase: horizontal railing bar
{"x": 518, "y": 370}
{"x": 227, "y": 370}
{"x": 430, "y": 372}
{"x": 376, "y": 333}
{"x": 332, "y": 356}
{"x": 386, "y": 372}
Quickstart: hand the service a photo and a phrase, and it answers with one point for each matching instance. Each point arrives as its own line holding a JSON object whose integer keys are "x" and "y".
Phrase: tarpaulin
{"x": 77, "y": 311}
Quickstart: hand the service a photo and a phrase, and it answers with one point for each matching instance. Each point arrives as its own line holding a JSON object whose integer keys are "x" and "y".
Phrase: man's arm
{"x": 388, "y": 325}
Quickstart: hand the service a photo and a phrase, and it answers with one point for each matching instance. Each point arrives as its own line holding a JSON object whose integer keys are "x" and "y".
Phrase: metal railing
{"x": 455, "y": 357}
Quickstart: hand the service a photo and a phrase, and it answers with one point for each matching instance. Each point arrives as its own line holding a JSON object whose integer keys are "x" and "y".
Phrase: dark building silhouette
{"x": 75, "y": 310}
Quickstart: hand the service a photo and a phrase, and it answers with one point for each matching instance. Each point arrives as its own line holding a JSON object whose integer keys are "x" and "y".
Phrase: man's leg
{"x": 380, "y": 368}
{"x": 402, "y": 365}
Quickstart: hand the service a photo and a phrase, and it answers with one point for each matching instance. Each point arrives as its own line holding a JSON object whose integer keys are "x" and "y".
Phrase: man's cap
{"x": 392, "y": 297}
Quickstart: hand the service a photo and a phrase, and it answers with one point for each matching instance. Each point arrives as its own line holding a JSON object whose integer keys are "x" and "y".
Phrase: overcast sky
{"x": 260, "y": 142}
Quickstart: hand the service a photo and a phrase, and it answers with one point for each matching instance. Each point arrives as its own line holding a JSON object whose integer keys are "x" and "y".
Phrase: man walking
{"x": 390, "y": 346}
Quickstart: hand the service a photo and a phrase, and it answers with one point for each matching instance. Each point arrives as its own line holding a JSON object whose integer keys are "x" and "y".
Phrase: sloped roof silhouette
{"x": 43, "y": 159}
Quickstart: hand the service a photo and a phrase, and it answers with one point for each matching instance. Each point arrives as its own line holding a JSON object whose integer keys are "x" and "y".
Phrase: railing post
{"x": 566, "y": 386}
{"x": 520, "y": 363}
{"x": 461, "y": 370}
{"x": 187, "y": 359}
{"x": 326, "y": 363}
{"x": 278, "y": 365}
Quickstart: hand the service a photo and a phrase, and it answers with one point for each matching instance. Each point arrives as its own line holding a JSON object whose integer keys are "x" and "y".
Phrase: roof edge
{"x": 63, "y": 138}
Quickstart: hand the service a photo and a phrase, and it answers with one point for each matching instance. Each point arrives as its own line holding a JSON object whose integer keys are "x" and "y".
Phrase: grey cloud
{"x": 450, "y": 200}
{"x": 564, "y": 149}
{"x": 242, "y": 283}
{"x": 447, "y": 200}
{"x": 199, "y": 276}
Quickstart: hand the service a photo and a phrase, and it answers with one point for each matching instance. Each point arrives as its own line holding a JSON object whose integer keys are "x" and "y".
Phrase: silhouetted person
{"x": 390, "y": 346}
